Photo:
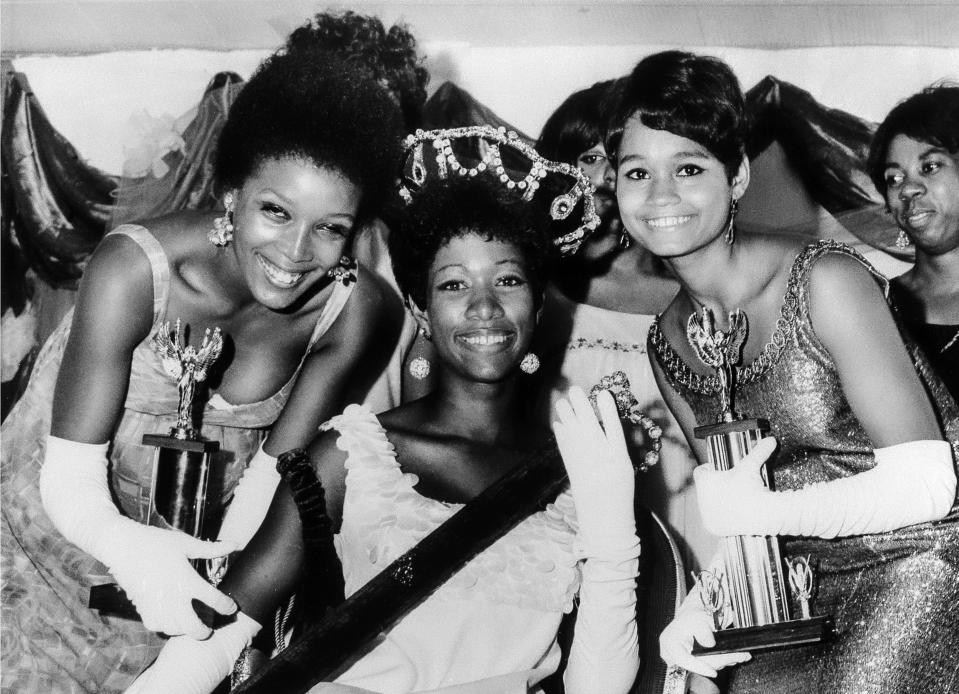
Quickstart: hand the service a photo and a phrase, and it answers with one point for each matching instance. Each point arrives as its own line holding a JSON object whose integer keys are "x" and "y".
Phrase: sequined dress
{"x": 581, "y": 345}
{"x": 51, "y": 640}
{"x": 894, "y": 594}
{"x": 490, "y": 628}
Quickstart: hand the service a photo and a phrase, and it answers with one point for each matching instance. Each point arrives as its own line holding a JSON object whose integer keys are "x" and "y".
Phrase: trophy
{"x": 181, "y": 463}
{"x": 748, "y": 600}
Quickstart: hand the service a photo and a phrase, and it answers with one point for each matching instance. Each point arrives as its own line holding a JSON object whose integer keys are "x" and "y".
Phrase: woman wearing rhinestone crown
{"x": 471, "y": 260}
{"x": 297, "y": 319}
{"x": 866, "y": 485}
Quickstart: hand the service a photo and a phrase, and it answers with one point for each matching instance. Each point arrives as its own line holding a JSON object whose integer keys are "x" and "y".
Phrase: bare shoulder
{"x": 371, "y": 289}
{"x": 847, "y": 306}
{"x": 371, "y": 300}
{"x": 182, "y": 234}
{"x": 403, "y": 418}
{"x": 841, "y": 277}
{"x": 117, "y": 284}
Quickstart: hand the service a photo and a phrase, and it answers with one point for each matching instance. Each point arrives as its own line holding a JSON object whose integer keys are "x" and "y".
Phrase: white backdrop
{"x": 92, "y": 98}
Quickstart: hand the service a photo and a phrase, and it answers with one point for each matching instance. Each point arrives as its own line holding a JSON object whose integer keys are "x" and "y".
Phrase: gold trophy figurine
{"x": 181, "y": 464}
{"x": 755, "y": 609}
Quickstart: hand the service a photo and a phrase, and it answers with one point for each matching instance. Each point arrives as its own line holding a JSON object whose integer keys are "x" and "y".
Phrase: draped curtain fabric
{"x": 56, "y": 207}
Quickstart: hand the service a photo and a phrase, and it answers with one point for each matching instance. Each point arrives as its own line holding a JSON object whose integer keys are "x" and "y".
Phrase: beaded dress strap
{"x": 159, "y": 266}
{"x": 793, "y": 306}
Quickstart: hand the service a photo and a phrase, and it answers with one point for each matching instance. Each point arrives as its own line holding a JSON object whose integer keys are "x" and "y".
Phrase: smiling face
{"x": 673, "y": 193}
{"x": 922, "y": 191}
{"x": 292, "y": 223}
{"x": 480, "y": 309}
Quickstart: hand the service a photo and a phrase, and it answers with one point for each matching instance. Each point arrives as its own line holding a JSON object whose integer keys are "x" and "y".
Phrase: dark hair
{"x": 576, "y": 125}
{"x": 324, "y": 112}
{"x": 447, "y": 209}
{"x": 930, "y": 116}
{"x": 389, "y": 55}
{"x": 695, "y": 96}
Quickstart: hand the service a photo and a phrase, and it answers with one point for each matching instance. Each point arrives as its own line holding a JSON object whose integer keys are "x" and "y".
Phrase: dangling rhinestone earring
{"x": 624, "y": 241}
{"x": 222, "y": 232}
{"x": 902, "y": 241}
{"x": 730, "y": 234}
{"x": 419, "y": 368}
{"x": 530, "y": 363}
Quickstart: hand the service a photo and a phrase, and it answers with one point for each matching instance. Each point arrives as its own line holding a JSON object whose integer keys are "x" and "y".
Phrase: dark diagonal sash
{"x": 329, "y": 644}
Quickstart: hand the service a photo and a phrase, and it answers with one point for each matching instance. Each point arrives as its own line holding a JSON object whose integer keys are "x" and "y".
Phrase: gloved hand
{"x": 153, "y": 568}
{"x": 693, "y": 624}
{"x": 732, "y": 502}
{"x": 604, "y": 656}
{"x": 186, "y": 666}
{"x": 601, "y": 477}
{"x": 150, "y": 564}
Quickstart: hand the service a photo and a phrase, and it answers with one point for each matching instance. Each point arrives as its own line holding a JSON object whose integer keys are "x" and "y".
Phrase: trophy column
{"x": 749, "y": 599}
{"x": 754, "y": 578}
{"x": 181, "y": 470}
{"x": 181, "y": 463}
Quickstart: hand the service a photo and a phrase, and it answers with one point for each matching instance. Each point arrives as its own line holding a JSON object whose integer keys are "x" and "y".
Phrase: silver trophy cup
{"x": 749, "y": 598}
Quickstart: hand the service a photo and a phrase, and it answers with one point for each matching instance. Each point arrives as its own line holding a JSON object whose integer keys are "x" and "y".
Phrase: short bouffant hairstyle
{"x": 694, "y": 96}
{"x": 321, "y": 111}
{"x": 930, "y": 116}
{"x": 388, "y": 54}
{"x": 577, "y": 125}
{"x": 448, "y": 209}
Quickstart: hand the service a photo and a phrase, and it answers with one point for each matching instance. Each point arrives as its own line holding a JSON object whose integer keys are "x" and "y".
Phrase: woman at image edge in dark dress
{"x": 914, "y": 163}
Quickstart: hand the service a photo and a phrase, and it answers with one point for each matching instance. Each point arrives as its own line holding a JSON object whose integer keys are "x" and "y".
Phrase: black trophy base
{"x": 796, "y": 632}
{"x": 109, "y": 599}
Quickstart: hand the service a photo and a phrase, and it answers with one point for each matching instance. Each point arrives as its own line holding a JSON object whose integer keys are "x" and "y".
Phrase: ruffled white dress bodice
{"x": 490, "y": 628}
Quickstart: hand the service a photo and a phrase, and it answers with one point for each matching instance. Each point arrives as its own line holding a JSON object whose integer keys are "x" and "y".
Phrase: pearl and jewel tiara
{"x": 490, "y": 140}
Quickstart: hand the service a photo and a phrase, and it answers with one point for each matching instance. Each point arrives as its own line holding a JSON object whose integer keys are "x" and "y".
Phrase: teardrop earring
{"x": 222, "y": 232}
{"x": 730, "y": 233}
{"x": 902, "y": 241}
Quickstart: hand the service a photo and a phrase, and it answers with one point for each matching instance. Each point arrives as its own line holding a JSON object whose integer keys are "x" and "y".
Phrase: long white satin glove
{"x": 604, "y": 656}
{"x": 911, "y": 483}
{"x": 694, "y": 624}
{"x": 601, "y": 477}
{"x": 186, "y": 666}
{"x": 151, "y": 564}
{"x": 251, "y": 500}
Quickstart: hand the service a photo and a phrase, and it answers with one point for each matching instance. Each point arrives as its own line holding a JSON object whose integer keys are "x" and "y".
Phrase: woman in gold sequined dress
{"x": 865, "y": 480}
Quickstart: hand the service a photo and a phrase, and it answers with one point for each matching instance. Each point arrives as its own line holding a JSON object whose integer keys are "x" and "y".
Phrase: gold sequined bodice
{"x": 793, "y": 383}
